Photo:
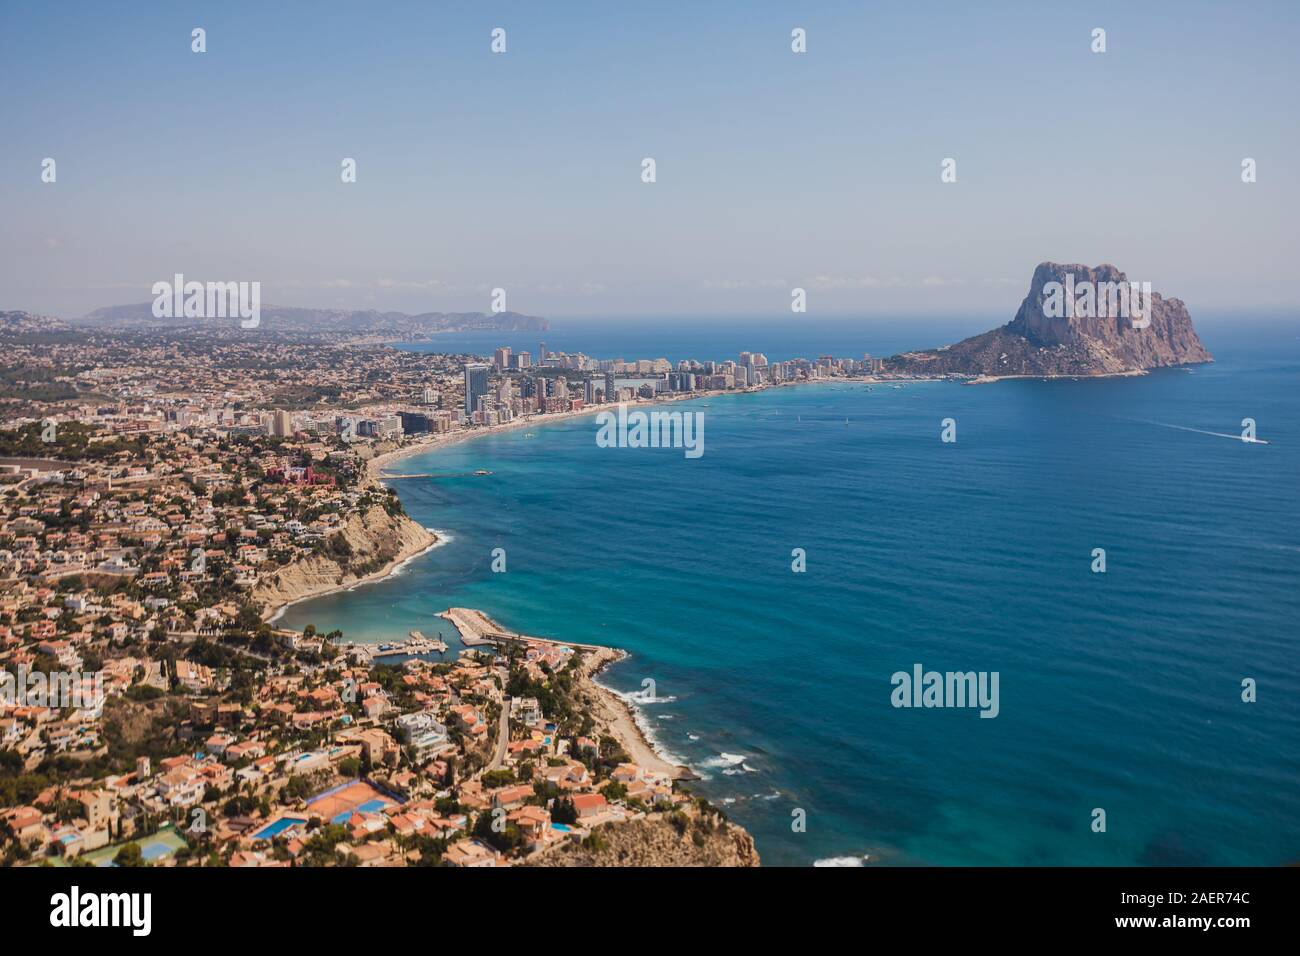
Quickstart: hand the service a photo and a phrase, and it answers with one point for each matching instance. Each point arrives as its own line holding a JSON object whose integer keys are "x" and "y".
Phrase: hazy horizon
{"x": 979, "y": 318}
{"x": 522, "y": 170}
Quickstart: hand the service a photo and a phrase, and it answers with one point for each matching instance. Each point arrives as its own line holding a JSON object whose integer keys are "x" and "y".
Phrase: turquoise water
{"x": 278, "y": 827}
{"x": 1119, "y": 691}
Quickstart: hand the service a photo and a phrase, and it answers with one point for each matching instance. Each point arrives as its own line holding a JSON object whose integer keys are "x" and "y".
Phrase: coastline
{"x": 376, "y": 465}
{"x": 613, "y": 714}
{"x": 273, "y": 612}
{"x": 990, "y": 379}
{"x": 619, "y": 720}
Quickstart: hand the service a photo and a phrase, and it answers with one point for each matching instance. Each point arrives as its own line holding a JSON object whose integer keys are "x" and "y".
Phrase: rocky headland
{"x": 368, "y": 547}
{"x": 1075, "y": 321}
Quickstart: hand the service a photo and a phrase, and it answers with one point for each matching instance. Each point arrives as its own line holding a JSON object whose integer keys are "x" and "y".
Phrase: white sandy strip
{"x": 392, "y": 569}
{"x": 633, "y": 703}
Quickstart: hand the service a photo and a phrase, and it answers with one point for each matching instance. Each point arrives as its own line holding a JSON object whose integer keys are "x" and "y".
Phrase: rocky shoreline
{"x": 373, "y": 535}
{"x": 696, "y": 837}
{"x": 615, "y": 716}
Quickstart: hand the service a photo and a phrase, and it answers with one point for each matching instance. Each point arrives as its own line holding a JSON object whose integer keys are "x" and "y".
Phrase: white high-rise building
{"x": 476, "y": 385}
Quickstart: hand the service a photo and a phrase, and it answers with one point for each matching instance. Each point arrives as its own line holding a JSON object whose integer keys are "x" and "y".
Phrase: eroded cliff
{"x": 367, "y": 547}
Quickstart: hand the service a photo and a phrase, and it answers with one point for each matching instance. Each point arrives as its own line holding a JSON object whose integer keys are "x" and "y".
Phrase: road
{"x": 503, "y": 736}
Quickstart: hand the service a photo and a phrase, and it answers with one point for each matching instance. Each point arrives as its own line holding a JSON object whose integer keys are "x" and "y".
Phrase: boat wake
{"x": 1200, "y": 431}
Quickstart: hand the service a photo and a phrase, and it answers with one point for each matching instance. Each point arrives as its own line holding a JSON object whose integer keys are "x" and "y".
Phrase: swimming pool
{"x": 277, "y": 827}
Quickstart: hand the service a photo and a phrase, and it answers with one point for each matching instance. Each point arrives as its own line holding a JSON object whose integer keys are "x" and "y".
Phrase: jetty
{"x": 478, "y": 630}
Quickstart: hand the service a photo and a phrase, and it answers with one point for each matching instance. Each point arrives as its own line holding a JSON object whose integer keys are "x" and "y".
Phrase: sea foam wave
{"x": 842, "y": 861}
{"x": 635, "y": 702}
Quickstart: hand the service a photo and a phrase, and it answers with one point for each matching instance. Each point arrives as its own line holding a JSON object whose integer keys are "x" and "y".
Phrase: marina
{"x": 418, "y": 644}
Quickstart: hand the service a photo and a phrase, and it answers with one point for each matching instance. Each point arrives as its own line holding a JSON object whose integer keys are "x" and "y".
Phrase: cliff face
{"x": 1074, "y": 321}
{"x": 654, "y": 841}
{"x": 372, "y": 537}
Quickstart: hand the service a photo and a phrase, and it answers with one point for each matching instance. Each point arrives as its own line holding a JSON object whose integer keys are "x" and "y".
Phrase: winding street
{"x": 503, "y": 736}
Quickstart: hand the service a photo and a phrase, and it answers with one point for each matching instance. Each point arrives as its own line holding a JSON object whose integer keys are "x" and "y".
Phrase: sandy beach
{"x": 377, "y": 465}
{"x": 382, "y": 461}
{"x": 617, "y": 719}
{"x": 274, "y": 612}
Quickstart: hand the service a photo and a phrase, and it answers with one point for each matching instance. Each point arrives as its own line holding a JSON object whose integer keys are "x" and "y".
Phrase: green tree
{"x": 130, "y": 856}
{"x": 563, "y": 811}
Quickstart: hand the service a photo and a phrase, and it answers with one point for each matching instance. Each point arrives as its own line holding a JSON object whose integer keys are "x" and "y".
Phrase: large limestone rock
{"x": 1056, "y": 334}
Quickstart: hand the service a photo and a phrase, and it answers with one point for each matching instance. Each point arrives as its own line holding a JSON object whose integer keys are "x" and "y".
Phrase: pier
{"x": 478, "y": 630}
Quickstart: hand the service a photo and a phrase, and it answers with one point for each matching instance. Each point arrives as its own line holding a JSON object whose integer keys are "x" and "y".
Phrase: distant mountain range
{"x": 394, "y": 325}
{"x": 1068, "y": 325}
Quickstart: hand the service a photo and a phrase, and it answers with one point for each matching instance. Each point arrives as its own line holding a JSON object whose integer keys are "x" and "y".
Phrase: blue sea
{"x": 1119, "y": 691}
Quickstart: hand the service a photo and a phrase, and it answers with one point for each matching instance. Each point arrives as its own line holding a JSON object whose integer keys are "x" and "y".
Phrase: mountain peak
{"x": 1075, "y": 320}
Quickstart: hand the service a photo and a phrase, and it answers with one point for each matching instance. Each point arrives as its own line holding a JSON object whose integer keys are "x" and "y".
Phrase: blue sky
{"x": 522, "y": 170}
